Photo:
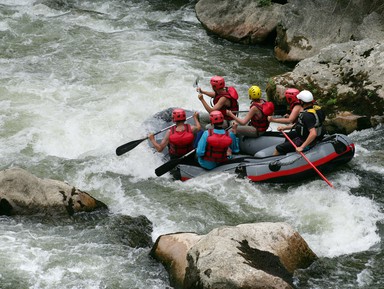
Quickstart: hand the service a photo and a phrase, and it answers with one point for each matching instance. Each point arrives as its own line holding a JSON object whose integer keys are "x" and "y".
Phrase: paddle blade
{"x": 165, "y": 168}
{"x": 196, "y": 83}
{"x": 128, "y": 146}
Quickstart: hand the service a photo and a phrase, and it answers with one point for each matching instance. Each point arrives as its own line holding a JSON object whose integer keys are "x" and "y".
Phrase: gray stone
{"x": 345, "y": 78}
{"x": 244, "y": 21}
{"x": 22, "y": 193}
{"x": 308, "y": 26}
{"x": 261, "y": 255}
{"x": 171, "y": 250}
{"x": 299, "y": 29}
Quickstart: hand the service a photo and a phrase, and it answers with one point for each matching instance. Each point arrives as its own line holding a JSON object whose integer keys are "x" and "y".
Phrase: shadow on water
{"x": 100, "y": 227}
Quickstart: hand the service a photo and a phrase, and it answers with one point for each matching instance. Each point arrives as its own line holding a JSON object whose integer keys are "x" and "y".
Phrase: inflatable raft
{"x": 333, "y": 151}
{"x": 257, "y": 163}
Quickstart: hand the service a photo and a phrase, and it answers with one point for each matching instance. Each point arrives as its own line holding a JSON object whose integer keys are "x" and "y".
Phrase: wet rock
{"x": 308, "y": 26}
{"x": 346, "y": 123}
{"x": 118, "y": 229}
{"x": 346, "y": 80}
{"x": 171, "y": 250}
{"x": 298, "y": 29}
{"x": 244, "y": 21}
{"x": 22, "y": 193}
{"x": 261, "y": 255}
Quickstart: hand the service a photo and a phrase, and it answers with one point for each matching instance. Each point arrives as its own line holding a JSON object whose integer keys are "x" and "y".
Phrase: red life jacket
{"x": 231, "y": 94}
{"x": 217, "y": 146}
{"x": 180, "y": 142}
{"x": 260, "y": 124}
{"x": 293, "y": 104}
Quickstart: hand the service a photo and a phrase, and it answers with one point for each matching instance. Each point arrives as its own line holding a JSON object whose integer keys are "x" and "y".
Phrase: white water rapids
{"x": 79, "y": 78}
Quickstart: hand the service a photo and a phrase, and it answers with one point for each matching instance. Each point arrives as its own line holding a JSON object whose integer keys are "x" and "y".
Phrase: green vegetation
{"x": 312, "y": 87}
{"x": 263, "y": 3}
{"x": 370, "y": 94}
{"x": 271, "y": 84}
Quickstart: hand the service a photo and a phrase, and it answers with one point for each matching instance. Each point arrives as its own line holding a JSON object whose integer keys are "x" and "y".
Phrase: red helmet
{"x": 178, "y": 114}
{"x": 217, "y": 82}
{"x": 291, "y": 95}
{"x": 216, "y": 117}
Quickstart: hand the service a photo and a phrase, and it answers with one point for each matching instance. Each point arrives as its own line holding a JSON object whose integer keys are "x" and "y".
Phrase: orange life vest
{"x": 180, "y": 142}
{"x": 217, "y": 146}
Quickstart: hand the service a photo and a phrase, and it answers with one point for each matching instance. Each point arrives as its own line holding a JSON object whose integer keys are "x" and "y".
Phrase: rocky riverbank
{"x": 336, "y": 45}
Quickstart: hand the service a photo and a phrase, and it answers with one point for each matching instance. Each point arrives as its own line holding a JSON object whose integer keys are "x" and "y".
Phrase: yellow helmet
{"x": 254, "y": 92}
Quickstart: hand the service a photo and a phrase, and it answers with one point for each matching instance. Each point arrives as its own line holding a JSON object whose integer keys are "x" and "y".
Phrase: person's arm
{"x": 309, "y": 121}
{"x": 159, "y": 146}
{"x": 217, "y": 106}
{"x": 287, "y": 127}
{"x": 291, "y": 118}
{"x": 205, "y": 104}
{"x": 235, "y": 143}
{"x": 197, "y": 125}
{"x": 234, "y": 127}
{"x": 253, "y": 111}
{"x": 311, "y": 137}
{"x": 208, "y": 93}
{"x": 200, "y": 150}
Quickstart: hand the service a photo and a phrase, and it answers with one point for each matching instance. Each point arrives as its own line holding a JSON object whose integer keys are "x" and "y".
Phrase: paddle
{"x": 132, "y": 144}
{"x": 196, "y": 83}
{"x": 238, "y": 111}
{"x": 164, "y": 168}
{"x": 309, "y": 162}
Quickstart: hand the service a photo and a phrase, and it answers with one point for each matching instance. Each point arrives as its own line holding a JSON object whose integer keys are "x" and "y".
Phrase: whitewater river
{"x": 79, "y": 78}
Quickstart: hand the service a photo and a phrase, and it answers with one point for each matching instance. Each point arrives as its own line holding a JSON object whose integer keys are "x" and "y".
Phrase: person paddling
{"x": 180, "y": 137}
{"x": 216, "y": 145}
{"x": 309, "y": 128}
{"x": 255, "y": 123}
{"x": 295, "y": 108}
{"x": 224, "y": 98}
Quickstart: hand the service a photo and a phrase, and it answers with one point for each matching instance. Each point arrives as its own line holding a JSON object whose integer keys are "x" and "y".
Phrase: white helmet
{"x": 305, "y": 96}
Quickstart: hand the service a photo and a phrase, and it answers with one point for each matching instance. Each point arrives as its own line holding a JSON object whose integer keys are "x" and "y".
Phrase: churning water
{"x": 79, "y": 78}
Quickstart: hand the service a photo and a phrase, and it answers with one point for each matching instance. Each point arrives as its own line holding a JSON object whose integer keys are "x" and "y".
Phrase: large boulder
{"x": 299, "y": 29}
{"x": 22, "y": 193}
{"x": 261, "y": 255}
{"x": 244, "y": 21}
{"x": 347, "y": 81}
{"x": 171, "y": 250}
{"x": 308, "y": 26}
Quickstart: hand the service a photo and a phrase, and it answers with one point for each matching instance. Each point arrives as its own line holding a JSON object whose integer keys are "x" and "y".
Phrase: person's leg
{"x": 286, "y": 146}
{"x": 247, "y": 130}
